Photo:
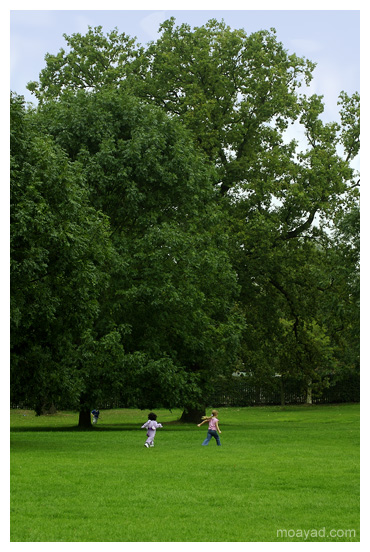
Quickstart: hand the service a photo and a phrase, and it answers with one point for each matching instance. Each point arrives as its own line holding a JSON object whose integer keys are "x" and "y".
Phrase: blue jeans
{"x": 211, "y": 433}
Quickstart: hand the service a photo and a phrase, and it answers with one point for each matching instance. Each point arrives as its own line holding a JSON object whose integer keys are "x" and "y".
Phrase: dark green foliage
{"x": 216, "y": 241}
{"x": 60, "y": 251}
{"x": 164, "y": 317}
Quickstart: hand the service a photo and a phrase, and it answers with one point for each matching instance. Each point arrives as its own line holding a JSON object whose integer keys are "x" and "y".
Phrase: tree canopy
{"x": 228, "y": 241}
{"x": 163, "y": 318}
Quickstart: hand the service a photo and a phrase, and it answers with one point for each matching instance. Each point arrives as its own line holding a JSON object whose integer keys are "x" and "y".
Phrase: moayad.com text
{"x": 322, "y": 533}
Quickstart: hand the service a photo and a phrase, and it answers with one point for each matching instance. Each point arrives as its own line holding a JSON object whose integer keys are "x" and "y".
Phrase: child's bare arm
{"x": 218, "y": 429}
{"x": 201, "y": 423}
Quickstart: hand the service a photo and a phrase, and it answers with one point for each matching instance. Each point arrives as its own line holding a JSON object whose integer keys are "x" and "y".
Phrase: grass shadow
{"x": 173, "y": 426}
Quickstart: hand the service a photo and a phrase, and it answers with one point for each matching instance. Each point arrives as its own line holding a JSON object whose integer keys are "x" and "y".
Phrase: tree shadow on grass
{"x": 172, "y": 426}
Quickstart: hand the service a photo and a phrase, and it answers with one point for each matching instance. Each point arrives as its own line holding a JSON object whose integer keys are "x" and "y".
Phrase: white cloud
{"x": 307, "y": 45}
{"x": 82, "y": 22}
{"x": 150, "y": 23}
{"x": 330, "y": 80}
{"x": 33, "y": 19}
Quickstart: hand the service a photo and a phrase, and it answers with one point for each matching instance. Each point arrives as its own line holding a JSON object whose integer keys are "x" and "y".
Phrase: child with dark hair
{"x": 95, "y": 414}
{"x": 151, "y": 425}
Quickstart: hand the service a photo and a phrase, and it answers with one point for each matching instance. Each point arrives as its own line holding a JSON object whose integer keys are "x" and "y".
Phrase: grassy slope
{"x": 296, "y": 468}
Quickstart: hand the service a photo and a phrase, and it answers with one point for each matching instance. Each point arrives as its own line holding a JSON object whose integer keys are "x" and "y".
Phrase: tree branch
{"x": 290, "y": 303}
{"x": 303, "y": 227}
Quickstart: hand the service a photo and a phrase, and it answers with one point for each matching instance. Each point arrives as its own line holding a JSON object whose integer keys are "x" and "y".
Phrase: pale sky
{"x": 331, "y": 38}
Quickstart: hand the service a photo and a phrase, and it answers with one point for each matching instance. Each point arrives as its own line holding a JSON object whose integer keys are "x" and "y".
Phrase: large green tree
{"x": 165, "y": 321}
{"x": 239, "y": 95}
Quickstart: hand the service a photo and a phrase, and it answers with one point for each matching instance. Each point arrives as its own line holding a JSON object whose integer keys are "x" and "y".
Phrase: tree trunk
{"x": 282, "y": 392}
{"x": 84, "y": 420}
{"x": 193, "y": 415}
{"x": 49, "y": 409}
{"x": 309, "y": 392}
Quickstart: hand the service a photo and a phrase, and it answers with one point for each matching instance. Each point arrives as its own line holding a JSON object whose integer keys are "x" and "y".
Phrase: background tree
{"x": 340, "y": 303}
{"x": 60, "y": 254}
{"x": 91, "y": 62}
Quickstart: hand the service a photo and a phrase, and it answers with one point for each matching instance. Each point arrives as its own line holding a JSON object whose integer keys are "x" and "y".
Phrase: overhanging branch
{"x": 302, "y": 227}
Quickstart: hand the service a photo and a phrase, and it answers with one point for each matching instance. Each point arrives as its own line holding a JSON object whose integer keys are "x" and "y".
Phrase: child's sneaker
{"x": 151, "y": 445}
{"x": 146, "y": 445}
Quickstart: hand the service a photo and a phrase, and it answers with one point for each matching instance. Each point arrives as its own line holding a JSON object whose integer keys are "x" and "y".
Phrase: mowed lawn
{"x": 287, "y": 474}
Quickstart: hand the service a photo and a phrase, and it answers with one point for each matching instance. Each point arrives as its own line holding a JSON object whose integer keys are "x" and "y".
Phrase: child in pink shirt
{"x": 213, "y": 428}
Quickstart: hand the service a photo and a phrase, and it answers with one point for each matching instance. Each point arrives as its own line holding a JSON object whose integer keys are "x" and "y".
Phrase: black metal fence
{"x": 246, "y": 391}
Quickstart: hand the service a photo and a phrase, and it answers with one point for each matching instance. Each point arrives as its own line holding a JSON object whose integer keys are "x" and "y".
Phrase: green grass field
{"x": 287, "y": 474}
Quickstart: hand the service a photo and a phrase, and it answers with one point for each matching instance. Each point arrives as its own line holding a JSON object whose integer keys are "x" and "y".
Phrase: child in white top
{"x": 151, "y": 425}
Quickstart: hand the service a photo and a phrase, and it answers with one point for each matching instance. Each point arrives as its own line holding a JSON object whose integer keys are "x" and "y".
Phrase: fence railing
{"x": 245, "y": 391}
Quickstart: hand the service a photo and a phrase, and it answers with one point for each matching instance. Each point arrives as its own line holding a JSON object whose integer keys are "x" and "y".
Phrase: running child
{"x": 213, "y": 429}
{"x": 151, "y": 425}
